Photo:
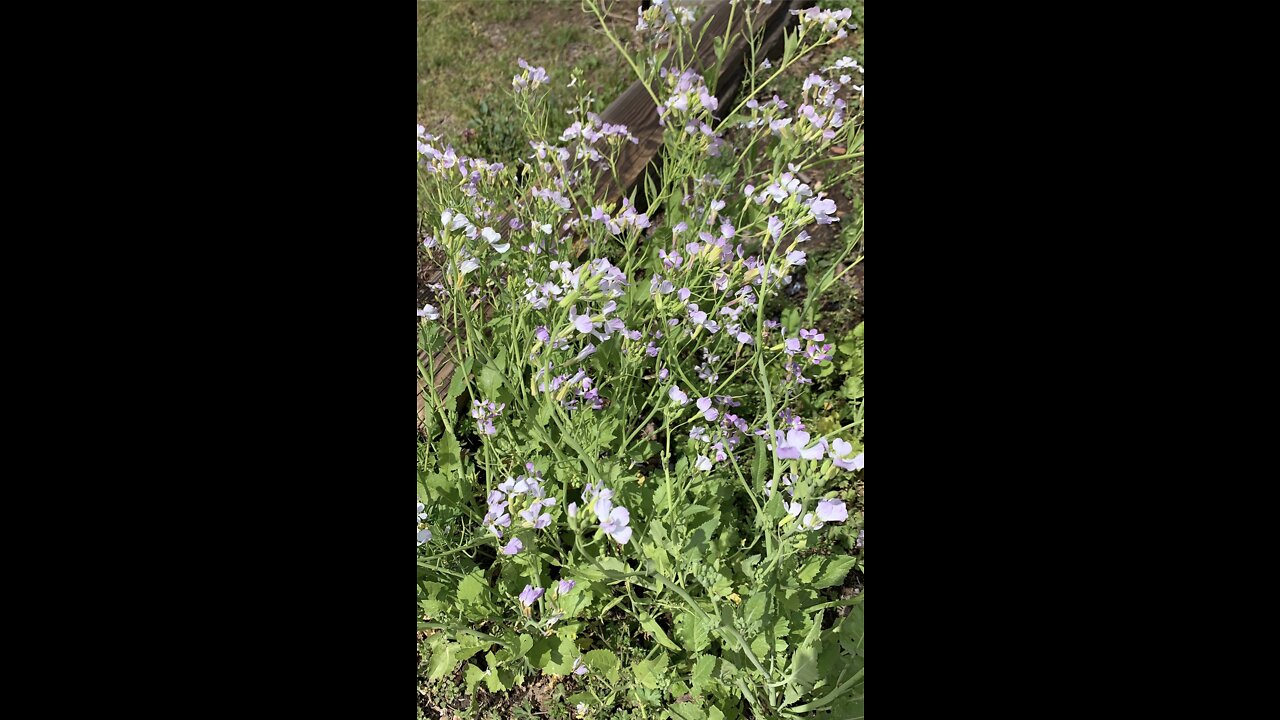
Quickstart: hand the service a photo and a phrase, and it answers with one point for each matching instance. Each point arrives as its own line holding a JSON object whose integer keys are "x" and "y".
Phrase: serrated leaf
{"x": 803, "y": 673}
{"x": 702, "y": 670}
{"x": 825, "y": 572}
{"x": 448, "y": 453}
{"x": 458, "y": 384}
{"x": 692, "y": 632}
{"x": 753, "y": 611}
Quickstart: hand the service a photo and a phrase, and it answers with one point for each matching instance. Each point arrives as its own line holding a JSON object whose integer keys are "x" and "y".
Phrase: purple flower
{"x": 795, "y": 446}
{"x": 513, "y": 547}
{"x": 792, "y": 346}
{"x": 530, "y": 595}
{"x": 542, "y": 334}
{"x": 567, "y": 585}
{"x": 823, "y": 209}
{"x": 832, "y": 511}
{"x": 708, "y": 412}
{"x": 677, "y": 394}
{"x": 775, "y": 227}
{"x": 840, "y": 451}
{"x": 578, "y": 667}
{"x": 617, "y": 524}
{"x": 484, "y": 412}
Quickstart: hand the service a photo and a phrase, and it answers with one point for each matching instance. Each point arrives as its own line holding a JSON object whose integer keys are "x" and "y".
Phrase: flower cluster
{"x": 485, "y": 412}
{"x": 829, "y": 21}
{"x": 627, "y": 217}
{"x": 828, "y": 510}
{"x": 524, "y": 496}
{"x": 596, "y": 129}
{"x": 615, "y": 521}
{"x": 689, "y": 95}
{"x": 530, "y": 79}
{"x": 424, "y": 535}
{"x": 660, "y": 18}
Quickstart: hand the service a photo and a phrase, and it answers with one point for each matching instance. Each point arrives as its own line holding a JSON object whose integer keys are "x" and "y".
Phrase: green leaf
{"x": 499, "y": 679}
{"x": 474, "y": 596}
{"x": 458, "y": 384}
{"x": 651, "y": 626}
{"x": 693, "y": 632}
{"x": 554, "y": 655}
{"x": 702, "y": 670}
{"x": 603, "y": 662}
{"x": 523, "y": 645}
{"x": 753, "y": 611}
{"x": 651, "y": 673}
{"x": 490, "y": 382}
{"x": 804, "y": 663}
{"x": 613, "y": 567}
{"x": 443, "y": 660}
{"x": 687, "y": 711}
{"x": 825, "y": 572}
{"x": 474, "y": 675}
{"x": 448, "y": 453}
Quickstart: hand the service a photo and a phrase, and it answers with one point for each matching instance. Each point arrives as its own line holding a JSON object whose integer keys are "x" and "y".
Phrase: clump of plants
{"x": 628, "y": 486}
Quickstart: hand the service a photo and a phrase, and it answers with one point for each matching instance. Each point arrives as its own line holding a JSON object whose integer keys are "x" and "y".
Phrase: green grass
{"x": 467, "y": 53}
